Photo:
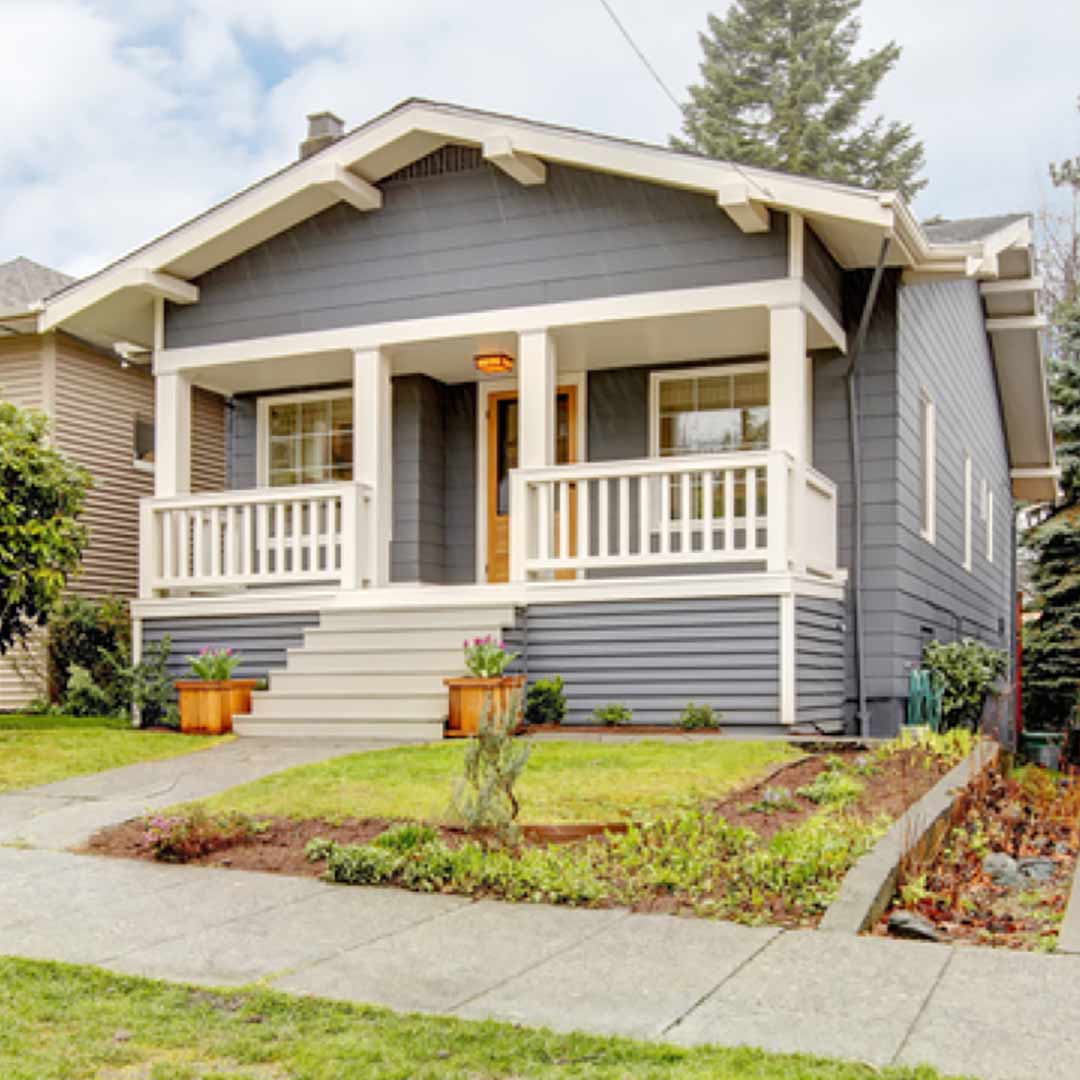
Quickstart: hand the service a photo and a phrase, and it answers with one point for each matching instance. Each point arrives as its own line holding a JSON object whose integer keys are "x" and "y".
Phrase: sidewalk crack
{"x": 723, "y": 982}
{"x": 922, "y": 1008}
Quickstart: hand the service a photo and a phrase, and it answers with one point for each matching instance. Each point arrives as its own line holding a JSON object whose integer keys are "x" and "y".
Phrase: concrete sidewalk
{"x": 996, "y": 1015}
{"x": 67, "y": 813}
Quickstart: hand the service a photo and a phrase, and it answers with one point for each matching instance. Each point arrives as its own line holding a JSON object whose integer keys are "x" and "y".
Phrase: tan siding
{"x": 22, "y": 676}
{"x": 96, "y": 404}
{"x": 207, "y": 441}
{"x": 21, "y": 371}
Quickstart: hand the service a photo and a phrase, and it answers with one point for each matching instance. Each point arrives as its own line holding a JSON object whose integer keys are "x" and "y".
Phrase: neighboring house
{"x": 495, "y": 375}
{"x": 102, "y": 413}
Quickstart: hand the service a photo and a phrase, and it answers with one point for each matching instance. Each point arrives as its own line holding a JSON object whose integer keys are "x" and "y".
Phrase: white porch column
{"x": 790, "y": 383}
{"x": 172, "y": 435}
{"x": 372, "y": 455}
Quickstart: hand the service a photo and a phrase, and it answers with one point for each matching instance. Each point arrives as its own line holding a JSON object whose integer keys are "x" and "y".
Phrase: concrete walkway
{"x": 996, "y": 1015}
{"x": 67, "y": 813}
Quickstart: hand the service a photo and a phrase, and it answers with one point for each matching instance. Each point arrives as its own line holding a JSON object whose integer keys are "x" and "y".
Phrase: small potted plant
{"x": 210, "y": 700}
{"x": 486, "y": 660}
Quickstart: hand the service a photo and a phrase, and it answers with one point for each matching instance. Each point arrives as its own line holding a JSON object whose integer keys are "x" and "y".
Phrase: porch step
{"x": 290, "y": 683}
{"x": 316, "y": 727}
{"x": 458, "y": 618}
{"x": 356, "y": 661}
{"x": 343, "y": 705}
{"x": 404, "y": 638}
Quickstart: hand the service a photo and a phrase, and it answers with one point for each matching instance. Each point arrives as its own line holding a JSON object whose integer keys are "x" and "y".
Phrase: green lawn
{"x": 76, "y": 1023}
{"x": 41, "y": 749}
{"x": 563, "y": 782}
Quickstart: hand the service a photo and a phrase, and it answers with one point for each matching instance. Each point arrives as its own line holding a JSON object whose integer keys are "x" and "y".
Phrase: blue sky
{"x": 123, "y": 119}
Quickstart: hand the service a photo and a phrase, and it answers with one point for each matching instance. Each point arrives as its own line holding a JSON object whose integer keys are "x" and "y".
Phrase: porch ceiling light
{"x": 494, "y": 363}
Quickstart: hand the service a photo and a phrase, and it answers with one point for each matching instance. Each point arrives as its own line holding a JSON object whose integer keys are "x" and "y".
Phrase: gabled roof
{"x": 25, "y": 283}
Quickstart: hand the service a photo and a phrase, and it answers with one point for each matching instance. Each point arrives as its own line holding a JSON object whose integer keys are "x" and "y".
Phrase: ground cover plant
{"x": 42, "y": 749}
{"x": 773, "y": 849}
{"x": 78, "y": 1023}
{"x": 1003, "y": 872}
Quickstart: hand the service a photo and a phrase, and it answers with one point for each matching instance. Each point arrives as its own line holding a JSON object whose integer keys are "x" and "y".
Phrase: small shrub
{"x": 699, "y": 718}
{"x": 361, "y": 864}
{"x": 152, "y": 689}
{"x": 485, "y": 797}
{"x": 833, "y": 787}
{"x": 487, "y": 658}
{"x": 83, "y": 696}
{"x": 772, "y": 801}
{"x": 545, "y": 702}
{"x": 182, "y": 837}
{"x": 965, "y": 671}
{"x": 318, "y": 849}
{"x": 613, "y": 714}
{"x": 214, "y": 665}
{"x": 403, "y": 838}
{"x": 94, "y": 635}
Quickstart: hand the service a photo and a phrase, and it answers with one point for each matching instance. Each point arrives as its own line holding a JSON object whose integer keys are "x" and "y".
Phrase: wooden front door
{"x": 502, "y": 426}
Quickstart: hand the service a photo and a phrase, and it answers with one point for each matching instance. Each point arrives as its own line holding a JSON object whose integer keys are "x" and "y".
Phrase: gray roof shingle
{"x": 968, "y": 230}
{"x": 24, "y": 282}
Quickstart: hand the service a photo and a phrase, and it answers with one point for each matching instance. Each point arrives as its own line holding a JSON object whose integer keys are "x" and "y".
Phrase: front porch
{"x": 634, "y": 504}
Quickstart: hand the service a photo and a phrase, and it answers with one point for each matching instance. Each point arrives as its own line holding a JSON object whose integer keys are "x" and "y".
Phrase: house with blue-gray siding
{"x": 677, "y": 429}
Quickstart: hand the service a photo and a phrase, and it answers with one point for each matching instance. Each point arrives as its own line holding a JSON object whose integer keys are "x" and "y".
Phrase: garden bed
{"x": 1001, "y": 876}
{"x": 773, "y": 851}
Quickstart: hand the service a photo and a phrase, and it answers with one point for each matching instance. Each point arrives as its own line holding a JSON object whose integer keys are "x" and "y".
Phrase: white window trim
{"x": 694, "y": 372}
{"x": 969, "y": 498}
{"x": 142, "y": 466}
{"x": 262, "y": 423}
{"x": 928, "y": 479}
{"x": 990, "y": 526}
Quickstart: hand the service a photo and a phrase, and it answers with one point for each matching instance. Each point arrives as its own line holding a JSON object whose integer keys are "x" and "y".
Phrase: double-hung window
{"x": 307, "y": 438}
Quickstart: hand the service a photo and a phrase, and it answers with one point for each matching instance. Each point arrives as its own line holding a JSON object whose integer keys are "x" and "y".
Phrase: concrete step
{"x": 375, "y": 659}
{"x": 404, "y": 639}
{"x": 401, "y": 730}
{"x": 349, "y": 683}
{"x": 459, "y": 618}
{"x": 424, "y": 705}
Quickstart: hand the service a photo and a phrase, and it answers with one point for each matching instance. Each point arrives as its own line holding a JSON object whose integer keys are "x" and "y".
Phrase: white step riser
{"x": 420, "y": 731}
{"x": 355, "y": 683}
{"x": 416, "y": 707}
{"x": 447, "y": 661}
{"x": 461, "y": 618}
{"x": 405, "y": 640}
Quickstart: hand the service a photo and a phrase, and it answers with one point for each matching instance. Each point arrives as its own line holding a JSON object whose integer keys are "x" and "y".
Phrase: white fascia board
{"x": 1011, "y": 285}
{"x": 347, "y": 186}
{"x": 1017, "y": 322}
{"x": 781, "y": 292}
{"x": 153, "y": 282}
{"x": 524, "y": 168}
{"x": 751, "y": 215}
{"x": 1051, "y": 471}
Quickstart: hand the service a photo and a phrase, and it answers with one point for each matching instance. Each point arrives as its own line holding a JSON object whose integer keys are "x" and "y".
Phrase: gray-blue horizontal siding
{"x": 261, "y": 640}
{"x": 820, "y": 630}
{"x": 943, "y": 347}
{"x": 656, "y": 656}
{"x": 822, "y": 273}
{"x": 475, "y": 240}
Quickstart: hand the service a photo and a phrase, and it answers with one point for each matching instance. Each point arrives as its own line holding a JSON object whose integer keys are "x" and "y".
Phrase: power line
{"x": 641, "y": 56}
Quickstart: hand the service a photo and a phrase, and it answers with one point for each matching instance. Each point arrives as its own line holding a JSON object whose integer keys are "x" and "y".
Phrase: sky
{"x": 121, "y": 120}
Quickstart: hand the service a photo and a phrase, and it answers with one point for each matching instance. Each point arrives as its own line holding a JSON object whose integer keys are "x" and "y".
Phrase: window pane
{"x": 283, "y": 419}
{"x": 676, "y": 395}
{"x": 751, "y": 388}
{"x": 144, "y": 439}
{"x": 310, "y": 442}
{"x": 712, "y": 414}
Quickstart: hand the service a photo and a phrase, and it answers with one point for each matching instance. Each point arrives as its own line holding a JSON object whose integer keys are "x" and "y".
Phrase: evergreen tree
{"x": 780, "y": 88}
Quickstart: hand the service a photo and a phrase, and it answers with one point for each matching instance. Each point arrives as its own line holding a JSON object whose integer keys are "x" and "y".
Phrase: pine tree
{"x": 781, "y": 89}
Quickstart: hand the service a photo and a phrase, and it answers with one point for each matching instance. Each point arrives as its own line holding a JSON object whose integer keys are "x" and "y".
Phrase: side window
{"x": 968, "y": 500}
{"x": 143, "y": 442}
{"x": 928, "y": 448}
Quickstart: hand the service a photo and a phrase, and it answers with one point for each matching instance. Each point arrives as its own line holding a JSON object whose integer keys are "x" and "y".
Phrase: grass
{"x": 564, "y": 781}
{"x": 43, "y": 749}
{"x": 75, "y": 1023}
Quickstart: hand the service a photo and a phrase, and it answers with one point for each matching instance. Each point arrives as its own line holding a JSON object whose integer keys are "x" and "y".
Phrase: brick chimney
{"x": 324, "y": 128}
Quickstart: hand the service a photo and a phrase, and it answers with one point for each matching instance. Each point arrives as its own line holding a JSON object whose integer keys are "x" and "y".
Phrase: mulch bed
{"x": 1033, "y": 816}
{"x": 902, "y": 778}
{"x": 615, "y": 729}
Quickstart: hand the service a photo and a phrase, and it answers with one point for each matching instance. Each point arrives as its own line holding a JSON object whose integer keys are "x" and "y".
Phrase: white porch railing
{"x": 224, "y": 541}
{"x": 760, "y": 509}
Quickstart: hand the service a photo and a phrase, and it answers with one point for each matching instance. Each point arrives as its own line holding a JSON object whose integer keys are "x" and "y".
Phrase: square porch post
{"x": 172, "y": 435}
{"x": 371, "y": 459}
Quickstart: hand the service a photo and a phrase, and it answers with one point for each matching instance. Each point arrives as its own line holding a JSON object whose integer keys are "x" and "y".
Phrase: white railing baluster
{"x": 229, "y": 534}
{"x": 313, "y": 535}
{"x": 685, "y": 515}
{"x": 279, "y": 539}
{"x": 751, "y": 510}
{"x": 644, "y": 516}
{"x": 262, "y": 520}
{"x": 564, "y": 521}
{"x": 168, "y": 543}
{"x": 665, "y": 514}
{"x": 729, "y": 510}
{"x": 246, "y": 569}
{"x": 624, "y": 516}
{"x": 604, "y": 510}
{"x": 543, "y": 538}
{"x": 584, "y": 525}
{"x": 707, "y": 511}
{"x": 296, "y": 535}
{"x": 198, "y": 568}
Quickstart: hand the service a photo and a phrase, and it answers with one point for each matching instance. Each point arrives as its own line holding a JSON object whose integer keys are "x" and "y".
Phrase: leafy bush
{"x": 361, "y": 864}
{"x": 84, "y": 696}
{"x": 182, "y": 837}
{"x": 486, "y": 658}
{"x": 152, "y": 689}
{"x": 700, "y": 718}
{"x": 406, "y": 837}
{"x": 94, "y": 635}
{"x": 965, "y": 671}
{"x": 485, "y": 797}
{"x": 772, "y": 801}
{"x": 833, "y": 787}
{"x": 214, "y": 665}
{"x": 545, "y": 702}
{"x": 613, "y": 714}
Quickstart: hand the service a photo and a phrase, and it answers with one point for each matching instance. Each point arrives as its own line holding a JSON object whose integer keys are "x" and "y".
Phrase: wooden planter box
{"x": 467, "y": 698}
{"x": 208, "y": 708}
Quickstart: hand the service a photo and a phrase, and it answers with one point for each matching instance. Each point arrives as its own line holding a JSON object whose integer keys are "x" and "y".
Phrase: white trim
{"x": 1017, "y": 322}
{"x": 969, "y": 498}
{"x": 524, "y": 168}
{"x": 796, "y": 245}
{"x": 750, "y": 214}
{"x": 156, "y": 283}
{"x": 928, "y": 477}
{"x": 1011, "y": 285}
{"x": 348, "y": 187}
{"x": 693, "y": 371}
{"x": 779, "y": 292}
{"x": 143, "y": 466}
{"x": 577, "y": 379}
{"x": 1042, "y": 473}
{"x": 262, "y": 422}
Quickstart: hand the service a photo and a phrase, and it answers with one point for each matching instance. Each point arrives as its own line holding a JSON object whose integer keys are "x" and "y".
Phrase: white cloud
{"x": 121, "y": 120}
